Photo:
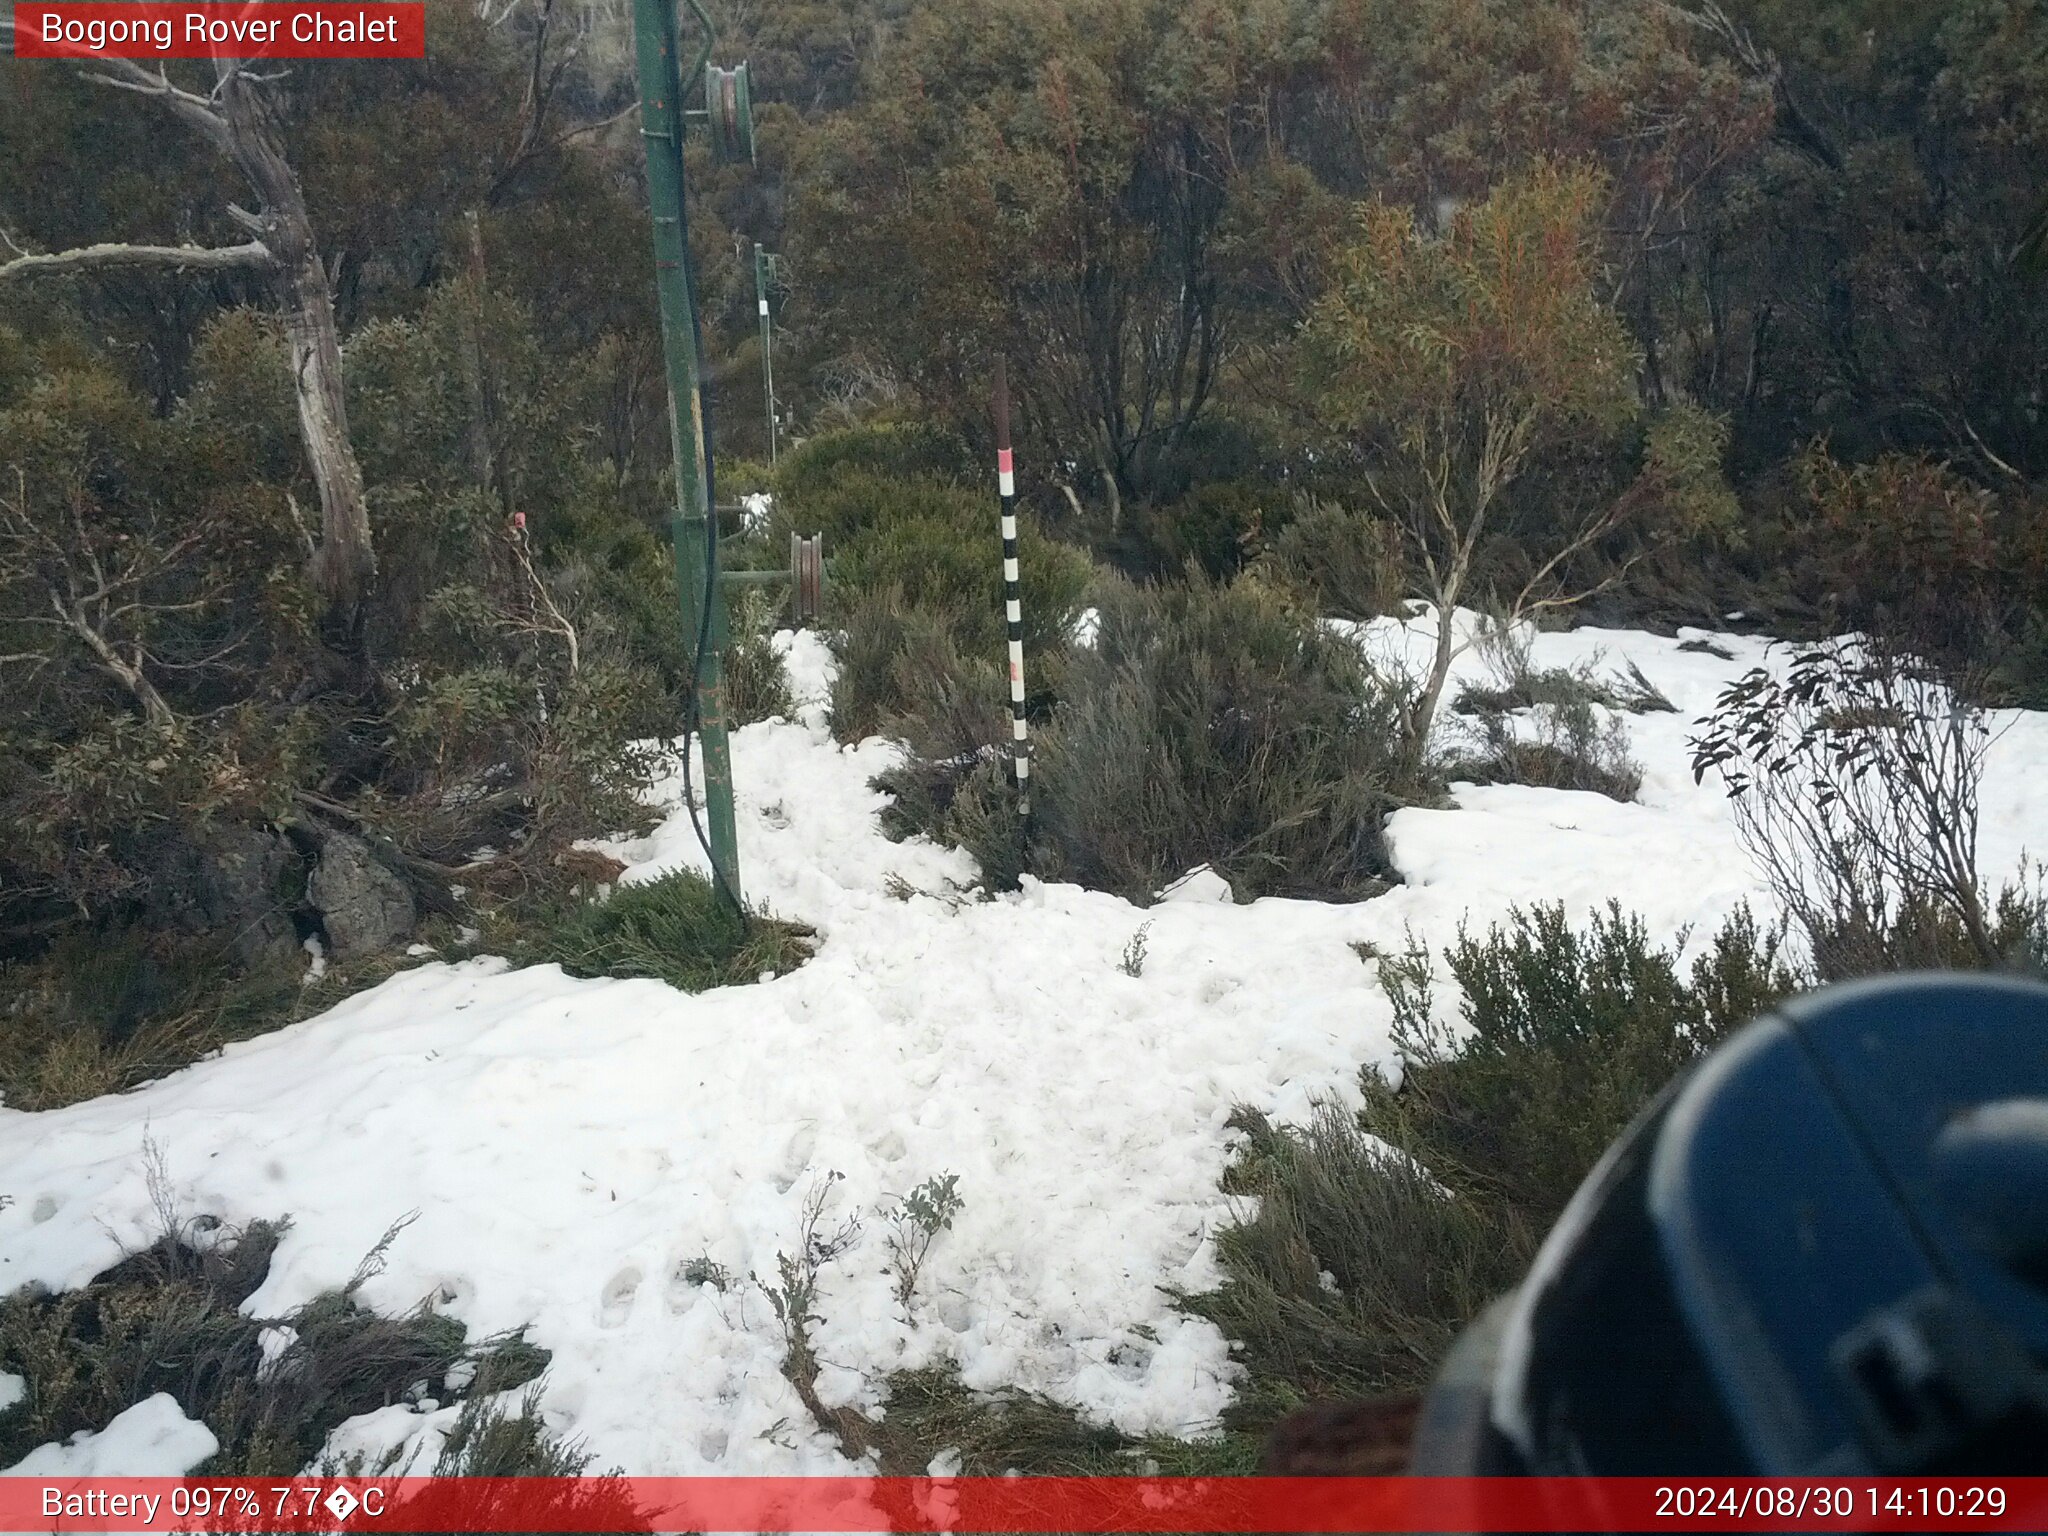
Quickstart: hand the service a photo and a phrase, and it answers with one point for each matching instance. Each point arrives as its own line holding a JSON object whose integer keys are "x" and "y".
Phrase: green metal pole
{"x": 761, "y": 262}
{"x": 696, "y": 548}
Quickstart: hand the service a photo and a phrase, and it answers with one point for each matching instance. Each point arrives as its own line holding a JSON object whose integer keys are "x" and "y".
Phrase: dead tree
{"x": 238, "y": 118}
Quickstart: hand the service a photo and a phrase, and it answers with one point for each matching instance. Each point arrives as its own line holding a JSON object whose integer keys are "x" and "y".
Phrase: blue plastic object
{"x": 1823, "y": 1251}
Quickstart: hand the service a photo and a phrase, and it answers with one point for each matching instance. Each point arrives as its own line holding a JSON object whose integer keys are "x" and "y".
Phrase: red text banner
{"x": 1015, "y": 1504}
{"x": 271, "y": 29}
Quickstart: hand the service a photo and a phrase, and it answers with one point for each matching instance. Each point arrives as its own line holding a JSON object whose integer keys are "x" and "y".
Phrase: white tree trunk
{"x": 345, "y": 564}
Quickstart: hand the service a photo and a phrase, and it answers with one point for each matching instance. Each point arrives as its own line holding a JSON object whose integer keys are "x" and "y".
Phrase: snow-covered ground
{"x": 572, "y": 1145}
{"x": 153, "y": 1438}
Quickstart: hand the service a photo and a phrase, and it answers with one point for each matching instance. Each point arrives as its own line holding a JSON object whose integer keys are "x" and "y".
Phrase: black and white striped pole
{"x": 764, "y": 279}
{"x": 1013, "y": 608}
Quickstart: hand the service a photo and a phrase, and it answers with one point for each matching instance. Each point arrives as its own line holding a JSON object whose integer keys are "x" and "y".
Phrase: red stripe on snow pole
{"x": 1013, "y": 601}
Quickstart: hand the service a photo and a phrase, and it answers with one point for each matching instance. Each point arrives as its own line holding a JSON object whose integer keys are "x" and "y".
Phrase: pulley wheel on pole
{"x": 729, "y": 105}
{"x": 807, "y": 571}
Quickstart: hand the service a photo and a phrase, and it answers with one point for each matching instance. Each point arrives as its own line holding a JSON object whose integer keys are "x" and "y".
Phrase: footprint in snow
{"x": 796, "y": 1156}
{"x": 616, "y": 1304}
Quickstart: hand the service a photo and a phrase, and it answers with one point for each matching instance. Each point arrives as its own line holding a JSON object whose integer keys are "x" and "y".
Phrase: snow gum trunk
{"x": 344, "y": 565}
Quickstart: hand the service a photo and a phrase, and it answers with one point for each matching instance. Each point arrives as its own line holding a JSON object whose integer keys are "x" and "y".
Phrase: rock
{"x": 364, "y": 906}
{"x": 230, "y": 878}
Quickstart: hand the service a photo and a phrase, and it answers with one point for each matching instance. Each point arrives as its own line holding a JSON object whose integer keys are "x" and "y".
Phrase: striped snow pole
{"x": 1006, "y": 485}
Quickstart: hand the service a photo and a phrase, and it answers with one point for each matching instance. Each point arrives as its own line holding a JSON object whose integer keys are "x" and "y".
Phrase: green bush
{"x": 1220, "y": 726}
{"x": 1925, "y": 934}
{"x": 1563, "y": 743}
{"x": 948, "y": 559}
{"x": 1344, "y": 564}
{"x": 902, "y": 672}
{"x": 679, "y": 929}
{"x": 512, "y": 670}
{"x": 888, "y": 452}
{"x": 756, "y": 685}
{"x": 1223, "y": 525}
{"x": 920, "y": 598}
{"x": 993, "y": 1434}
{"x": 1568, "y": 1035}
{"x": 489, "y": 1440}
{"x": 857, "y": 502}
{"x": 968, "y": 802}
{"x": 105, "y": 1009}
{"x": 1357, "y": 1270}
{"x": 1377, "y": 1237}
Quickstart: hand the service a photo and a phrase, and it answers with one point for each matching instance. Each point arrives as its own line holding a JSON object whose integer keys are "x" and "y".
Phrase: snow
{"x": 572, "y": 1145}
{"x": 12, "y": 1390}
{"x": 151, "y": 1439}
{"x": 316, "y": 959}
{"x": 1199, "y": 884}
{"x": 808, "y": 665}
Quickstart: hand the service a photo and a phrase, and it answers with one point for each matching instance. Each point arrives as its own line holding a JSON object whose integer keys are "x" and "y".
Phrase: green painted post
{"x": 763, "y": 265}
{"x": 661, "y": 128}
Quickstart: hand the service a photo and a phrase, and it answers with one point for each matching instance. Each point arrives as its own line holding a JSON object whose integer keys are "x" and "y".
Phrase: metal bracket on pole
{"x": 805, "y": 575}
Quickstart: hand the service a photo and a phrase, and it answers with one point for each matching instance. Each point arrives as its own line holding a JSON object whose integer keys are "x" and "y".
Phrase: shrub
{"x": 1924, "y": 934}
{"x": 169, "y": 1319}
{"x": 756, "y": 685}
{"x": 679, "y": 929}
{"x": 932, "y": 1412}
{"x": 1344, "y": 564}
{"x": 857, "y": 502}
{"x": 102, "y": 1011}
{"x": 1568, "y": 1035}
{"x": 902, "y": 673}
{"x": 489, "y": 1440}
{"x": 915, "y": 1223}
{"x": 1220, "y": 726}
{"x": 1518, "y": 683}
{"x": 1357, "y": 1270}
{"x": 921, "y": 601}
{"x": 1569, "y": 749}
{"x": 887, "y": 451}
{"x": 968, "y": 802}
{"x": 947, "y": 559}
{"x": 513, "y": 667}
{"x": 1558, "y": 739}
{"x": 1915, "y": 552}
{"x": 1223, "y": 525}
{"x": 1855, "y": 780}
{"x": 941, "y": 547}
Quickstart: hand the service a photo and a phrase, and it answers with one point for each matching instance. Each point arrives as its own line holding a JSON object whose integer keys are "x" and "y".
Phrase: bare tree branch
{"x": 196, "y": 110}
{"x": 191, "y": 258}
{"x": 554, "y": 623}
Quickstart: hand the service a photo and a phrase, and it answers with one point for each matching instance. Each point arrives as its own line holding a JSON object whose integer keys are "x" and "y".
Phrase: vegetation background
{"x": 1664, "y": 314}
